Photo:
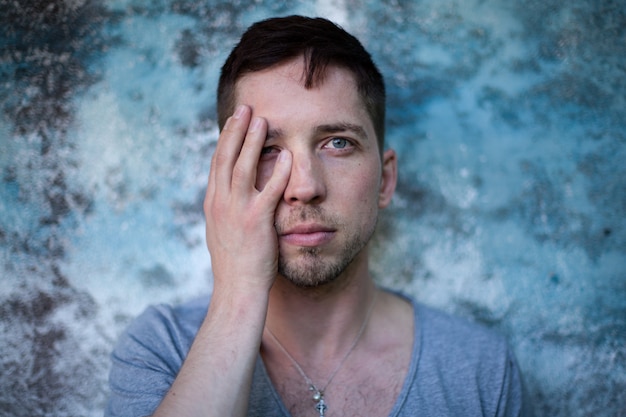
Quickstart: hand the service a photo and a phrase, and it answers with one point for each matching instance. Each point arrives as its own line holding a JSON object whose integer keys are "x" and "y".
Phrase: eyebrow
{"x": 325, "y": 129}
{"x": 342, "y": 127}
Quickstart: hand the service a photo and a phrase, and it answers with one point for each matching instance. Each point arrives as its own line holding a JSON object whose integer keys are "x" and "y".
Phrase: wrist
{"x": 239, "y": 300}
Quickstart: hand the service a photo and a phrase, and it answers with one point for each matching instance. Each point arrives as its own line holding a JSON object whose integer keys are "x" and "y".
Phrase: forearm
{"x": 216, "y": 376}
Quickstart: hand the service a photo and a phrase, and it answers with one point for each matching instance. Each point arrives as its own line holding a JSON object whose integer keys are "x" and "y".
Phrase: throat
{"x": 320, "y": 388}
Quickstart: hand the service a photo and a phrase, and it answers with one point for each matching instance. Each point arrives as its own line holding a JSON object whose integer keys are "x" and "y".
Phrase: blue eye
{"x": 339, "y": 143}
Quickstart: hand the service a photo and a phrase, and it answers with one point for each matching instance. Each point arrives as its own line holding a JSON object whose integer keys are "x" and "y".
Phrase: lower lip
{"x": 308, "y": 239}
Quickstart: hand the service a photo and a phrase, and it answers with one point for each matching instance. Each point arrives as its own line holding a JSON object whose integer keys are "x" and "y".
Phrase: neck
{"x": 318, "y": 325}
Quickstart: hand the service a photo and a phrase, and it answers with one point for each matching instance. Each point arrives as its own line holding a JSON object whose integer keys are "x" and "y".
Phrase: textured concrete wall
{"x": 509, "y": 118}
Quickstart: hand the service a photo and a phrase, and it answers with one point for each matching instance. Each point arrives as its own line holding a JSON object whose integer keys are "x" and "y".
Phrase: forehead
{"x": 294, "y": 71}
{"x": 278, "y": 94}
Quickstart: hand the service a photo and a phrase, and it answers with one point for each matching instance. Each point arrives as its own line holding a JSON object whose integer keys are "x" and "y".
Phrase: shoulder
{"x": 149, "y": 354}
{"x": 454, "y": 346}
{"x": 455, "y": 358}
{"x": 163, "y": 327}
{"x": 439, "y": 328}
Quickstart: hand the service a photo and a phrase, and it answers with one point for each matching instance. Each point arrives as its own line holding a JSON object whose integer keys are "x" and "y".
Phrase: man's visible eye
{"x": 338, "y": 143}
{"x": 268, "y": 150}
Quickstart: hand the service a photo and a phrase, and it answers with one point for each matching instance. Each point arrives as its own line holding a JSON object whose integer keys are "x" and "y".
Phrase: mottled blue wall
{"x": 509, "y": 118}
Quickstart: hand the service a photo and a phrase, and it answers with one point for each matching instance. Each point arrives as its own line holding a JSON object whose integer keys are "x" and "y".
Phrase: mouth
{"x": 309, "y": 235}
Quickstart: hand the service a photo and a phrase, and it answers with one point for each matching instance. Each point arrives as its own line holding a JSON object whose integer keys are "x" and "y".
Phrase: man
{"x": 295, "y": 324}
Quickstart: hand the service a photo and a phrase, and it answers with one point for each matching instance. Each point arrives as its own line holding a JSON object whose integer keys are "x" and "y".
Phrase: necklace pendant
{"x": 317, "y": 396}
{"x": 321, "y": 406}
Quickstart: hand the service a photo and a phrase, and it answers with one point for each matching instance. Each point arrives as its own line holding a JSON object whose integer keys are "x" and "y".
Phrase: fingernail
{"x": 239, "y": 111}
{"x": 282, "y": 156}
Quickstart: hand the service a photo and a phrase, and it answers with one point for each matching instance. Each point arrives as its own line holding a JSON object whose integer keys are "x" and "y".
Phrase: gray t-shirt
{"x": 457, "y": 368}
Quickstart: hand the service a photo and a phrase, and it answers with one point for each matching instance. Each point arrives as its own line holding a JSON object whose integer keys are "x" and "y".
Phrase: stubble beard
{"x": 311, "y": 269}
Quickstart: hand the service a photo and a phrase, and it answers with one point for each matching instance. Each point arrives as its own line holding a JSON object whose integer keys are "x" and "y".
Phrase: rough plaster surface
{"x": 509, "y": 118}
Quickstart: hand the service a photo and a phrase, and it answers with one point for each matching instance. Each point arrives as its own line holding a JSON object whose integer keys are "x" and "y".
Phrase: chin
{"x": 311, "y": 271}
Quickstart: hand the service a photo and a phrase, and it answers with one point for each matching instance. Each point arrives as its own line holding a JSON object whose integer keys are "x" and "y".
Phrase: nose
{"x": 306, "y": 183}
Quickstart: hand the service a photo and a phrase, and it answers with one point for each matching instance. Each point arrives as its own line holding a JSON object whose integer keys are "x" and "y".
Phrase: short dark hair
{"x": 321, "y": 42}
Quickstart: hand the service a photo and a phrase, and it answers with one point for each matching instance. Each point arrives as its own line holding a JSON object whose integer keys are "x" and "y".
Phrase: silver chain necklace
{"x": 318, "y": 394}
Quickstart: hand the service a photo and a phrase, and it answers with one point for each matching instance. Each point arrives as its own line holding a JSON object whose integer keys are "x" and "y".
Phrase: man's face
{"x": 337, "y": 184}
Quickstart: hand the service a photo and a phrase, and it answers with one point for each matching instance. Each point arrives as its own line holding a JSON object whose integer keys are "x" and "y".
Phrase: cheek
{"x": 355, "y": 181}
{"x": 363, "y": 190}
{"x": 368, "y": 185}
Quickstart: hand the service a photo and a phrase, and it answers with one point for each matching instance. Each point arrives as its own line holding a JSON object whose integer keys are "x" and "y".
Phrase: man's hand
{"x": 244, "y": 251}
{"x": 239, "y": 218}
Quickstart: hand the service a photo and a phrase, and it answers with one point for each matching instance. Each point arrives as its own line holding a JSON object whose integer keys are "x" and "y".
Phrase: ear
{"x": 389, "y": 178}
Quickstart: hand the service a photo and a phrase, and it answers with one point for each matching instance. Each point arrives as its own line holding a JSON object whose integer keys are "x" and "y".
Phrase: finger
{"x": 245, "y": 169}
{"x": 210, "y": 189}
{"x": 275, "y": 187}
{"x": 228, "y": 148}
